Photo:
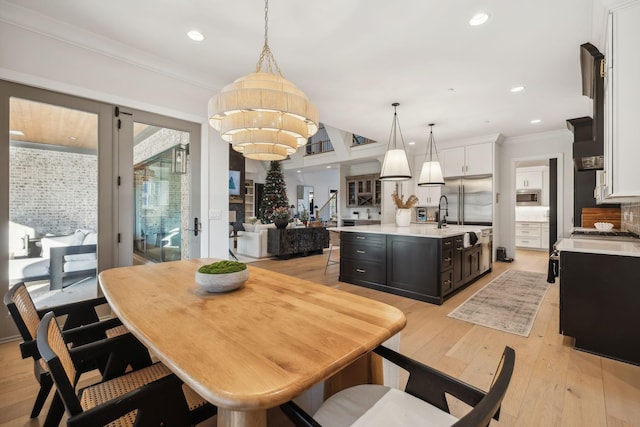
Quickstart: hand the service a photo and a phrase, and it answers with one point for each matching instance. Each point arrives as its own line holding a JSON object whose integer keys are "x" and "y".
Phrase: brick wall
{"x": 51, "y": 191}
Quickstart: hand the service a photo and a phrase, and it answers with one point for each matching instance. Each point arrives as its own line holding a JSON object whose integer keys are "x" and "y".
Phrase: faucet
{"x": 442, "y": 220}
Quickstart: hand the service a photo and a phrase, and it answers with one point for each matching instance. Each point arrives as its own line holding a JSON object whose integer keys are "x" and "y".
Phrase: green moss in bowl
{"x": 222, "y": 276}
{"x": 223, "y": 267}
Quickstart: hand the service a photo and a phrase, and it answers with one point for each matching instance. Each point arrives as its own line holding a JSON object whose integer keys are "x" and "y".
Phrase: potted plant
{"x": 280, "y": 216}
{"x": 304, "y": 216}
{"x": 222, "y": 276}
{"x": 403, "y": 211}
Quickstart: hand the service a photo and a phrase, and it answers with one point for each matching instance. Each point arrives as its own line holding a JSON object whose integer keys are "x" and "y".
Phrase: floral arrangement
{"x": 304, "y": 215}
{"x": 411, "y": 201}
{"x": 281, "y": 212}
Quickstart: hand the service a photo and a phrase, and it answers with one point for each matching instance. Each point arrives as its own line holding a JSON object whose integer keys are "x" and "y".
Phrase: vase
{"x": 403, "y": 217}
{"x": 281, "y": 223}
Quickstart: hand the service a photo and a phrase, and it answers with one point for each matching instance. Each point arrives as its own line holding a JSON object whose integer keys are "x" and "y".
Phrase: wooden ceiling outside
{"x": 54, "y": 125}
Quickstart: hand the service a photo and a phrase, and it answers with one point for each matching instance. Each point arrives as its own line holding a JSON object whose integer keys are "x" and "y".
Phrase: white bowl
{"x": 222, "y": 282}
{"x": 603, "y": 225}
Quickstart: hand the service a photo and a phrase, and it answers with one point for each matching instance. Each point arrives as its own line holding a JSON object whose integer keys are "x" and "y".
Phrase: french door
{"x": 158, "y": 201}
{"x": 122, "y": 183}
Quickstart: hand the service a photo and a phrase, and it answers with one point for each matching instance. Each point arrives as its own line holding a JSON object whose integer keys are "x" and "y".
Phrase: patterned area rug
{"x": 508, "y": 303}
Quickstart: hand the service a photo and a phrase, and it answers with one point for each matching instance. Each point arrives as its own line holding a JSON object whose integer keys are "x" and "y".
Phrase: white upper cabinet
{"x": 529, "y": 179}
{"x": 470, "y": 160}
{"x": 428, "y": 196}
{"x": 622, "y": 101}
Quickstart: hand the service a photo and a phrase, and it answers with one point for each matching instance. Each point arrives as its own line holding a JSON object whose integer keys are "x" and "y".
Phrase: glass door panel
{"x": 161, "y": 194}
{"x": 53, "y": 199}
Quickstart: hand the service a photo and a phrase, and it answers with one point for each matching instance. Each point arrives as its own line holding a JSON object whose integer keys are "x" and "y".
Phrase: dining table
{"x": 251, "y": 349}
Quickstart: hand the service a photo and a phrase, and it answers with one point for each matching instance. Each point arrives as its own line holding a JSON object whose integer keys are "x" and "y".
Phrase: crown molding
{"x": 52, "y": 28}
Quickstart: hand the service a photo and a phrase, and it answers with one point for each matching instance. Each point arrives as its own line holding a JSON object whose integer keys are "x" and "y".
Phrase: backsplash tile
{"x": 631, "y": 217}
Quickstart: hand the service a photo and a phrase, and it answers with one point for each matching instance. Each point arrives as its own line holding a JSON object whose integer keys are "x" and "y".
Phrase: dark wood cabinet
{"x": 363, "y": 190}
{"x": 297, "y": 241}
{"x": 426, "y": 269}
{"x": 599, "y": 297}
{"x": 458, "y": 261}
{"x": 363, "y": 259}
{"x": 413, "y": 267}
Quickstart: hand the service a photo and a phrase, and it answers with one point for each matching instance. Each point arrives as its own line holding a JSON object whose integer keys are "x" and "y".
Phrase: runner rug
{"x": 509, "y": 303}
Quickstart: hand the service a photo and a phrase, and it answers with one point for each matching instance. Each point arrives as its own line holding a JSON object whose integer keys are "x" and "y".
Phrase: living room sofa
{"x": 253, "y": 241}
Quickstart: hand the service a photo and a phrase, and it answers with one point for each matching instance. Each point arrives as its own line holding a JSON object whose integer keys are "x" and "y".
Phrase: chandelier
{"x": 263, "y": 115}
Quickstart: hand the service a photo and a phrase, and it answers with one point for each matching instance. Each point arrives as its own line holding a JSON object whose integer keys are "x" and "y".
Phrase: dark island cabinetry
{"x": 426, "y": 269}
{"x": 599, "y": 300}
{"x": 363, "y": 259}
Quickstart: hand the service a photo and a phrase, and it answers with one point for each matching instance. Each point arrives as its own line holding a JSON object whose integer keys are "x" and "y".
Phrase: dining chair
{"x": 81, "y": 326}
{"x": 423, "y": 402}
{"x": 334, "y": 240}
{"x": 152, "y": 395}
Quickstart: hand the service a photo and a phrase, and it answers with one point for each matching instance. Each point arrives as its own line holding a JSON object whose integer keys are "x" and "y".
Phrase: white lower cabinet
{"x": 529, "y": 235}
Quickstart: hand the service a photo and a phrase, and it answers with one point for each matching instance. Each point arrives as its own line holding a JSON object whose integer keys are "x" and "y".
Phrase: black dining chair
{"x": 152, "y": 395}
{"x": 422, "y": 400}
{"x": 81, "y": 326}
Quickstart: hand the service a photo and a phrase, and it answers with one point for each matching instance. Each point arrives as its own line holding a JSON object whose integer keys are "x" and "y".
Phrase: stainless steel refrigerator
{"x": 470, "y": 200}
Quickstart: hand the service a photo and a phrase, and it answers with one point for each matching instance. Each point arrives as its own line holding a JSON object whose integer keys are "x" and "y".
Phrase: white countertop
{"x": 606, "y": 247}
{"x": 544, "y": 220}
{"x": 416, "y": 230}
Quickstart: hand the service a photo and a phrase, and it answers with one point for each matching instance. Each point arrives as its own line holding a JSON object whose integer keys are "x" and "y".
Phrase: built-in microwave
{"x": 528, "y": 198}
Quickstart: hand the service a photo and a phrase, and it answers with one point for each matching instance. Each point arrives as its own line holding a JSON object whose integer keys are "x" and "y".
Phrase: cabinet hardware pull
{"x": 446, "y": 282}
{"x": 459, "y": 249}
{"x": 447, "y": 243}
{"x": 360, "y": 270}
{"x": 447, "y": 259}
{"x": 359, "y": 251}
{"x": 360, "y": 237}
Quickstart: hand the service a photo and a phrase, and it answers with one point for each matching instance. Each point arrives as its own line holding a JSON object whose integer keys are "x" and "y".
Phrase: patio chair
{"x": 423, "y": 402}
{"x": 81, "y": 326}
{"x": 147, "y": 396}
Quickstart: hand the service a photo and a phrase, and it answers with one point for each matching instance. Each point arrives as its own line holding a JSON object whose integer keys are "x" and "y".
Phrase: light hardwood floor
{"x": 553, "y": 384}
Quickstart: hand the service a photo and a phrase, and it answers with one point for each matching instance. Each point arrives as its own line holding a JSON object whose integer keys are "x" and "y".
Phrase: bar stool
{"x": 334, "y": 240}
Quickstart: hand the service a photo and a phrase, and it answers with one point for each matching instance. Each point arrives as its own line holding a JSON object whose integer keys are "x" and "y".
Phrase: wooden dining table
{"x": 253, "y": 348}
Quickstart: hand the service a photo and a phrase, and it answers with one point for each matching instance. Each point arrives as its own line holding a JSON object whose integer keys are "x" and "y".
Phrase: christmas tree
{"x": 275, "y": 193}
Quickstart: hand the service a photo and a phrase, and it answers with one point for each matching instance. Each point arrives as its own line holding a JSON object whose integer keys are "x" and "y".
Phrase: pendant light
{"x": 395, "y": 166}
{"x": 263, "y": 115}
{"x": 431, "y": 173}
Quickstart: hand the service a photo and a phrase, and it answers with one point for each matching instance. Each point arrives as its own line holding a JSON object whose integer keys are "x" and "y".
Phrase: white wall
{"x": 529, "y": 147}
{"x": 321, "y": 180}
{"x": 47, "y": 62}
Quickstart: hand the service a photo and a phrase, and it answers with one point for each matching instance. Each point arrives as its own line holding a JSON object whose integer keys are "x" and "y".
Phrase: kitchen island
{"x": 599, "y": 296}
{"x": 421, "y": 261}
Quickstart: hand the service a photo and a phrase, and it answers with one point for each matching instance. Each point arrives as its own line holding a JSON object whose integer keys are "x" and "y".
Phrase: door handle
{"x": 360, "y": 251}
{"x": 196, "y": 226}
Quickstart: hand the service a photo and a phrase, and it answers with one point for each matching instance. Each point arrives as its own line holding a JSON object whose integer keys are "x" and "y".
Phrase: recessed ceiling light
{"x": 16, "y": 132}
{"x": 534, "y": 121}
{"x": 412, "y": 143}
{"x": 298, "y": 171}
{"x": 517, "y": 89}
{"x": 478, "y": 19}
{"x": 328, "y": 166}
{"x": 195, "y": 35}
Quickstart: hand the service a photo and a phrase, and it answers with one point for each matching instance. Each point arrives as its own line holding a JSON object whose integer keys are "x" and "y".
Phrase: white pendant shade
{"x": 431, "y": 174}
{"x": 395, "y": 166}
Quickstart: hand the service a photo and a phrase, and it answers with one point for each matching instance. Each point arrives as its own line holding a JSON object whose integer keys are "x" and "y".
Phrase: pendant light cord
{"x": 266, "y": 56}
{"x": 395, "y": 124}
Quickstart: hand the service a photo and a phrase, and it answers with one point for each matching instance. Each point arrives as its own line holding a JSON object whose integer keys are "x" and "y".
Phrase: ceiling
{"x": 353, "y": 58}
